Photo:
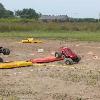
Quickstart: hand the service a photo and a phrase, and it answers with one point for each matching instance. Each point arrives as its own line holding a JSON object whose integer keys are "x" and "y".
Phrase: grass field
{"x": 81, "y": 36}
{"x": 8, "y": 25}
{"x": 83, "y": 31}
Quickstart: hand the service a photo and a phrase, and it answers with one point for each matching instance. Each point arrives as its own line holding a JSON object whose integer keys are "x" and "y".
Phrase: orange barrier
{"x": 46, "y": 59}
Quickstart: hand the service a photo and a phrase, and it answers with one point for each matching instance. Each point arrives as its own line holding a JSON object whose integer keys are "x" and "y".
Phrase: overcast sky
{"x": 73, "y": 8}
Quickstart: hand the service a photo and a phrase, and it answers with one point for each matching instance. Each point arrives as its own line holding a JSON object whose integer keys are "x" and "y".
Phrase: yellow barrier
{"x": 31, "y": 40}
{"x": 15, "y": 64}
{"x": 26, "y": 41}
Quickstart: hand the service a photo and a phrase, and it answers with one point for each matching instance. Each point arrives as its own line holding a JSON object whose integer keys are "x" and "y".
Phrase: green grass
{"x": 9, "y": 25}
{"x": 83, "y": 31}
{"x": 81, "y": 36}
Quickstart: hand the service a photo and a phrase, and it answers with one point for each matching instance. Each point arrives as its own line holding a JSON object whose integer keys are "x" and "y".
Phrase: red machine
{"x": 68, "y": 55}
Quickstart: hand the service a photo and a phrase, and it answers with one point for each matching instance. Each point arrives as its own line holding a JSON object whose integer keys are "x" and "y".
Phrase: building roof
{"x": 53, "y": 17}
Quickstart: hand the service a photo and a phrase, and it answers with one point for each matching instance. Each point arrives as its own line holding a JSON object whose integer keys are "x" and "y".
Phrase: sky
{"x": 72, "y": 8}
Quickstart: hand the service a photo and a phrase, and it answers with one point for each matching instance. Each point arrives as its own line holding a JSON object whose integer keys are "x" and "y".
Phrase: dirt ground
{"x": 51, "y": 81}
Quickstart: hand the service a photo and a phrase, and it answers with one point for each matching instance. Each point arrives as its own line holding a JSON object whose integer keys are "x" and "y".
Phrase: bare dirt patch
{"x": 51, "y": 81}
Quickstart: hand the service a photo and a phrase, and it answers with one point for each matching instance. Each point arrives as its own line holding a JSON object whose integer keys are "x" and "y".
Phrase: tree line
{"x": 25, "y": 13}
{"x": 30, "y": 13}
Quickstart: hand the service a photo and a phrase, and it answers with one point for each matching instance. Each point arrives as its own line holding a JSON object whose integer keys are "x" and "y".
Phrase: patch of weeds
{"x": 13, "y": 98}
{"x": 91, "y": 82}
{"x": 59, "y": 96}
{"x": 65, "y": 96}
{"x": 73, "y": 77}
{"x": 81, "y": 98}
{"x": 1, "y": 98}
{"x": 9, "y": 98}
{"x": 92, "y": 78}
{"x": 56, "y": 75}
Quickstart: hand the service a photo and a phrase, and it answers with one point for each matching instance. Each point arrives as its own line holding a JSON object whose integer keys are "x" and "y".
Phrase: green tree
{"x": 9, "y": 13}
{"x": 2, "y": 9}
{"x": 5, "y": 13}
{"x": 27, "y": 13}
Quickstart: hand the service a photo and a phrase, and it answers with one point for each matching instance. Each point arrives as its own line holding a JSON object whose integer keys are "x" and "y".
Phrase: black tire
{"x": 58, "y": 54}
{"x": 0, "y": 49}
{"x": 1, "y": 60}
{"x": 78, "y": 59}
{"x": 5, "y": 51}
{"x": 68, "y": 61}
{"x": 63, "y": 56}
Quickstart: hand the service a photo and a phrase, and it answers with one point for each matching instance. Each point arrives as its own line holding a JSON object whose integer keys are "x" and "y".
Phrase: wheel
{"x": 5, "y": 51}
{"x": 68, "y": 61}
{"x": 63, "y": 56}
{"x": 58, "y": 54}
{"x": 1, "y": 60}
{"x": 78, "y": 59}
{"x": 0, "y": 49}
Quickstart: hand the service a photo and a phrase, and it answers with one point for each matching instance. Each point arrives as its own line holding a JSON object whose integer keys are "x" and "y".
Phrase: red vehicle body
{"x": 68, "y": 55}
